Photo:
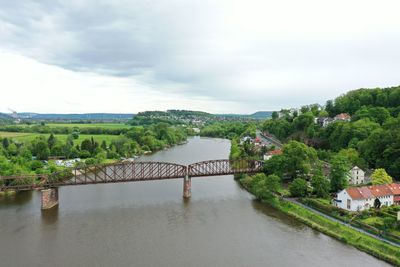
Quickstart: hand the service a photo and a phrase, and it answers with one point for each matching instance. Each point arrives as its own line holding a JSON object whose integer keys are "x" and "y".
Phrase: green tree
{"x": 5, "y": 142}
{"x": 320, "y": 185}
{"x": 380, "y": 176}
{"x": 51, "y": 141}
{"x": 104, "y": 145}
{"x": 42, "y": 150}
{"x": 300, "y": 159}
{"x": 298, "y": 188}
{"x": 339, "y": 173}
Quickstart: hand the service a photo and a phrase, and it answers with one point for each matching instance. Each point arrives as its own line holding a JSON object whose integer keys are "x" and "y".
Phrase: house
{"x": 383, "y": 193}
{"x": 323, "y": 121}
{"x": 363, "y": 198}
{"x": 272, "y": 153}
{"x": 246, "y": 139}
{"x": 396, "y": 193}
{"x": 342, "y": 117}
{"x": 357, "y": 176}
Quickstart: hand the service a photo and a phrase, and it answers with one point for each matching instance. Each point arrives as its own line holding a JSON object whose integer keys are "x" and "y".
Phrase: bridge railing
{"x": 224, "y": 167}
{"x": 129, "y": 171}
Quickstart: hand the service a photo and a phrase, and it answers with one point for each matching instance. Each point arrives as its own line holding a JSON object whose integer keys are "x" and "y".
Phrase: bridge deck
{"x": 130, "y": 172}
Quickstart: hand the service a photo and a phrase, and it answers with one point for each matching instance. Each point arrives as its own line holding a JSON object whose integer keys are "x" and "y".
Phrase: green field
{"x": 26, "y": 137}
{"x": 90, "y": 125}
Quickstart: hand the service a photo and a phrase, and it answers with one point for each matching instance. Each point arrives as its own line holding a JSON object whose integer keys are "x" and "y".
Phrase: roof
{"x": 342, "y": 116}
{"x": 380, "y": 190}
{"x": 275, "y": 152}
{"x": 395, "y": 188}
{"x": 365, "y": 192}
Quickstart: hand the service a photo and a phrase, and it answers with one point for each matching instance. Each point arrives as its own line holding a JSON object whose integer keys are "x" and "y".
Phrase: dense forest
{"x": 372, "y": 135}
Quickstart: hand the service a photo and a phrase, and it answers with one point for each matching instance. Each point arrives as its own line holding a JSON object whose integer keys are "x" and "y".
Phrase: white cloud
{"x": 223, "y": 56}
{"x": 27, "y": 85}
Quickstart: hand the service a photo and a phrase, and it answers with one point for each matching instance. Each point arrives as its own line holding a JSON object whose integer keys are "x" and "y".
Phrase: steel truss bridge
{"x": 130, "y": 172}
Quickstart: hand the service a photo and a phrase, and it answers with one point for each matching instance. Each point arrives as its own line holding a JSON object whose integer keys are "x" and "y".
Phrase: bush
{"x": 84, "y": 154}
{"x": 298, "y": 188}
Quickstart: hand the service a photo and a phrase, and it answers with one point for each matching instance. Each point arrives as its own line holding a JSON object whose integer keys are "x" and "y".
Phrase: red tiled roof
{"x": 373, "y": 191}
{"x": 342, "y": 116}
{"x": 355, "y": 193}
{"x": 396, "y": 199}
{"x": 395, "y": 188}
{"x": 275, "y": 152}
{"x": 380, "y": 190}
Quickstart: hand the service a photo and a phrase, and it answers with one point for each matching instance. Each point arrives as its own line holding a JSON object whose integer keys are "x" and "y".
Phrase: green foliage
{"x": 229, "y": 130}
{"x": 261, "y": 185}
{"x": 300, "y": 159}
{"x": 281, "y": 128}
{"x": 339, "y": 173}
{"x": 320, "y": 185}
{"x": 380, "y": 176}
{"x": 298, "y": 188}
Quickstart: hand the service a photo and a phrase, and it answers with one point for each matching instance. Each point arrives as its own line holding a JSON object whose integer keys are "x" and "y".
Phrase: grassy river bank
{"x": 370, "y": 245}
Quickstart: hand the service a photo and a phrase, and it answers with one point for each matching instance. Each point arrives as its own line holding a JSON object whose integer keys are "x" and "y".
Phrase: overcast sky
{"x": 218, "y": 56}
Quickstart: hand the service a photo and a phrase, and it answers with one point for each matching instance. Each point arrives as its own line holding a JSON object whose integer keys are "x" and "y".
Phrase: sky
{"x": 219, "y": 56}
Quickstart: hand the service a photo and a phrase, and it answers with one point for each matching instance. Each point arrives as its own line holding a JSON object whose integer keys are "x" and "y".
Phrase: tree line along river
{"x": 150, "y": 224}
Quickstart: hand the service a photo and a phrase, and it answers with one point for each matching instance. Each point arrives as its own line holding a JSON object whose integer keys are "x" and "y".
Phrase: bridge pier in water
{"x": 187, "y": 187}
{"x": 49, "y": 198}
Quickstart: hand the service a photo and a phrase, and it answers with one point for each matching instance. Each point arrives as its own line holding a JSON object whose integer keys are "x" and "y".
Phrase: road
{"x": 268, "y": 140}
{"x": 295, "y": 201}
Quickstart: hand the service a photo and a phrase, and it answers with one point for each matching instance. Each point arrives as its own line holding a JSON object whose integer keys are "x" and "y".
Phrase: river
{"x": 149, "y": 224}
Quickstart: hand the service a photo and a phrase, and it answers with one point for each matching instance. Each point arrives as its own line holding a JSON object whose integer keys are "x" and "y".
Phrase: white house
{"x": 272, "y": 153}
{"x": 357, "y": 176}
{"x": 363, "y": 198}
{"x": 323, "y": 121}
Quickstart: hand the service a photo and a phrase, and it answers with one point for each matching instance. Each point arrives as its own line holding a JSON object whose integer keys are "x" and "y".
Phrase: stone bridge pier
{"x": 187, "y": 187}
{"x": 49, "y": 198}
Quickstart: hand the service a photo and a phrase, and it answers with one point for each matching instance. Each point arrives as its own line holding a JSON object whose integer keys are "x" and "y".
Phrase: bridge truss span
{"x": 126, "y": 172}
{"x": 120, "y": 172}
{"x": 224, "y": 167}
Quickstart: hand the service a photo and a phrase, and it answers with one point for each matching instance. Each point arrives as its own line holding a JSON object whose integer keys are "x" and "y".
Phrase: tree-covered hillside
{"x": 373, "y": 132}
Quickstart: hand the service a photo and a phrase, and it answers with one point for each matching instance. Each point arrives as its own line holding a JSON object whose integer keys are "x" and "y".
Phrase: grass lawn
{"x": 374, "y": 221}
{"x": 90, "y": 125}
{"x": 12, "y": 134}
{"x": 26, "y": 137}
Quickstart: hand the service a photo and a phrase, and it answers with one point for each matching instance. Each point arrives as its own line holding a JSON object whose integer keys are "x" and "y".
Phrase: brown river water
{"x": 149, "y": 224}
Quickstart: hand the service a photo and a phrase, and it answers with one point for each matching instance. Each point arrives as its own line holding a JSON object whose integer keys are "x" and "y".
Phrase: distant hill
{"x": 4, "y": 116}
{"x": 84, "y": 116}
{"x": 259, "y": 115}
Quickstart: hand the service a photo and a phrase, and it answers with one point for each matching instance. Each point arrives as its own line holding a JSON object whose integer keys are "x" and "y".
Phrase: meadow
{"x": 27, "y": 137}
{"x": 90, "y": 125}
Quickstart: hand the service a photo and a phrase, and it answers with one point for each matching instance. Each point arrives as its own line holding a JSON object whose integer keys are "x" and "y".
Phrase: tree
{"x": 42, "y": 150}
{"x": 380, "y": 176}
{"x": 75, "y": 135}
{"x": 320, "y": 184}
{"x": 5, "y": 142}
{"x": 339, "y": 173}
{"x": 275, "y": 115}
{"x": 273, "y": 183}
{"x": 300, "y": 159}
{"x": 298, "y": 188}
{"x": 51, "y": 141}
{"x": 264, "y": 186}
{"x": 104, "y": 145}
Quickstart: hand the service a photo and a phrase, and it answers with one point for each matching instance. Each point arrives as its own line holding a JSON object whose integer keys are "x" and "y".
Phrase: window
{"x": 348, "y": 204}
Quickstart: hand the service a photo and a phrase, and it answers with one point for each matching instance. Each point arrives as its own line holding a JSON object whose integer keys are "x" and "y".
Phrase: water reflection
{"x": 269, "y": 211}
{"x": 50, "y": 216}
{"x": 15, "y": 198}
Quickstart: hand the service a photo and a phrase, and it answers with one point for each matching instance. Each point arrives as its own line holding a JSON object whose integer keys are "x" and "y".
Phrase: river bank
{"x": 370, "y": 245}
{"x": 128, "y": 223}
